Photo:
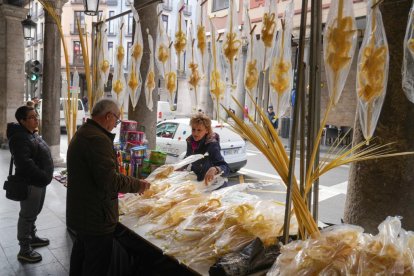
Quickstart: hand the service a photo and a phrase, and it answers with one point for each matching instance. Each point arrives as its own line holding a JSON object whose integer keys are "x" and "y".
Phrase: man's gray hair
{"x": 104, "y": 106}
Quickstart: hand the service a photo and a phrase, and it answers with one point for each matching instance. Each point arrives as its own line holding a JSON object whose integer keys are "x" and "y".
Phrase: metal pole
{"x": 315, "y": 86}
{"x": 298, "y": 102}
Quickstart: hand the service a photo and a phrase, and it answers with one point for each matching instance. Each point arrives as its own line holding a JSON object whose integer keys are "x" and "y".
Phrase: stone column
{"x": 12, "y": 76}
{"x": 52, "y": 83}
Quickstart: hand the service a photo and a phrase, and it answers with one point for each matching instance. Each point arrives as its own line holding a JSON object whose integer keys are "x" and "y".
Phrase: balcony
{"x": 74, "y": 29}
{"x": 76, "y": 1}
{"x": 167, "y": 5}
{"x": 187, "y": 10}
{"x": 112, "y": 2}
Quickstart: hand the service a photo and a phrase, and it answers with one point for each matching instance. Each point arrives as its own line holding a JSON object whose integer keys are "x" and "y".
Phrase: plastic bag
{"x": 134, "y": 77}
{"x": 232, "y": 43}
{"x": 253, "y": 62}
{"x": 268, "y": 31}
{"x": 339, "y": 46}
{"x": 150, "y": 79}
{"x": 118, "y": 80}
{"x": 162, "y": 43}
{"x": 331, "y": 254}
{"x": 372, "y": 71}
{"x": 201, "y": 38}
{"x": 345, "y": 250}
{"x": 217, "y": 85}
{"x": 408, "y": 60}
{"x": 254, "y": 257}
{"x": 180, "y": 39}
{"x": 281, "y": 73}
{"x": 387, "y": 252}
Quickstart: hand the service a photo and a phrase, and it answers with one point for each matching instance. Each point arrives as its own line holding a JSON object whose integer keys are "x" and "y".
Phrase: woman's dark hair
{"x": 21, "y": 112}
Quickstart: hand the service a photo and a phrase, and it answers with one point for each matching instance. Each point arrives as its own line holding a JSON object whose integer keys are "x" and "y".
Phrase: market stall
{"x": 197, "y": 226}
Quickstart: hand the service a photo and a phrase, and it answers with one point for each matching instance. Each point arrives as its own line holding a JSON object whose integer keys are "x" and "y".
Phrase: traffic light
{"x": 33, "y": 69}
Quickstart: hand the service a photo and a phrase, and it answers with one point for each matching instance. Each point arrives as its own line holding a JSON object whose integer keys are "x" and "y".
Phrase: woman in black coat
{"x": 204, "y": 140}
{"x": 34, "y": 163}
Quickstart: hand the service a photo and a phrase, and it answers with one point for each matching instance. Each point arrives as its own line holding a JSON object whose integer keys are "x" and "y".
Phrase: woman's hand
{"x": 210, "y": 174}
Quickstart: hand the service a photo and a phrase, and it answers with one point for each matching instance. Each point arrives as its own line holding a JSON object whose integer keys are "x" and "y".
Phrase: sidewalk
{"x": 51, "y": 223}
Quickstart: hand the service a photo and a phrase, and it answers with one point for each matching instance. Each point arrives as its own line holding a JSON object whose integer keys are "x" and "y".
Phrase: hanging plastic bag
{"x": 232, "y": 44}
{"x": 118, "y": 80}
{"x": 180, "y": 40}
{"x": 103, "y": 61}
{"x": 281, "y": 73}
{"x": 408, "y": 60}
{"x": 268, "y": 31}
{"x": 150, "y": 79}
{"x": 253, "y": 62}
{"x": 193, "y": 68}
{"x": 162, "y": 44}
{"x": 201, "y": 37}
{"x": 339, "y": 46}
{"x": 372, "y": 71}
{"x": 134, "y": 77}
{"x": 217, "y": 85}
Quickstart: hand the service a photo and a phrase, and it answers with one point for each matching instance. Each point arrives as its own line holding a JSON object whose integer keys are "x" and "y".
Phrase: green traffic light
{"x": 34, "y": 77}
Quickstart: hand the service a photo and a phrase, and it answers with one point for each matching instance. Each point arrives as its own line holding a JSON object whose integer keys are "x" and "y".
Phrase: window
{"x": 166, "y": 130}
{"x": 111, "y": 28}
{"x": 81, "y": 16}
{"x": 35, "y": 54}
{"x": 36, "y": 10}
{"x": 165, "y": 21}
{"x": 77, "y": 53}
{"x": 219, "y": 5}
{"x": 130, "y": 23}
{"x": 111, "y": 52}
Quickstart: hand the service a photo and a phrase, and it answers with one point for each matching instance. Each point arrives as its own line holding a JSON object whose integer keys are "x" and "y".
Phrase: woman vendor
{"x": 204, "y": 140}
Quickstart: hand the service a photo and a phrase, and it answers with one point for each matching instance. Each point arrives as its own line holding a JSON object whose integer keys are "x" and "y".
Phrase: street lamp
{"x": 91, "y": 7}
{"x": 29, "y": 28}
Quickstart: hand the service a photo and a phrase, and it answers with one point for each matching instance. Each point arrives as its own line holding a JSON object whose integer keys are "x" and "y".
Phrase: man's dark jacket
{"x": 210, "y": 144}
{"x": 31, "y": 155}
{"x": 94, "y": 181}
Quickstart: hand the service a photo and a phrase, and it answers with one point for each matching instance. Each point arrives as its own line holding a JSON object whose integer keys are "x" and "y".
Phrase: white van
{"x": 164, "y": 111}
{"x": 80, "y": 118}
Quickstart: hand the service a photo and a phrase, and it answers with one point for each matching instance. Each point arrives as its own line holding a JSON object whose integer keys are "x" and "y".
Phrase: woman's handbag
{"x": 16, "y": 187}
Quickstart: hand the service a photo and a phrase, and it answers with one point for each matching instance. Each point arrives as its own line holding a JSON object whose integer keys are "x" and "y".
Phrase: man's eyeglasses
{"x": 33, "y": 117}
{"x": 118, "y": 121}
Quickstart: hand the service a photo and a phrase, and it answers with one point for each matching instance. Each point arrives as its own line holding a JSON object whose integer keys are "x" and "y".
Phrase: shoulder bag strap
{"x": 11, "y": 166}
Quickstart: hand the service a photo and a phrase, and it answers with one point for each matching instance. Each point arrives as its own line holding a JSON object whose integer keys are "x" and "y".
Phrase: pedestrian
{"x": 272, "y": 117}
{"x": 203, "y": 140}
{"x": 34, "y": 163}
{"x": 85, "y": 102}
{"x": 93, "y": 186}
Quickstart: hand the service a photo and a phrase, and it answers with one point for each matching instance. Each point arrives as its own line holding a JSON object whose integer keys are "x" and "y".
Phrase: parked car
{"x": 80, "y": 117}
{"x": 164, "y": 111}
{"x": 172, "y": 135}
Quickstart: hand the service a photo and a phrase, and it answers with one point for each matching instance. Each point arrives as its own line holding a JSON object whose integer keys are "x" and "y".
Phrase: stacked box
{"x": 126, "y": 126}
{"x": 138, "y": 154}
